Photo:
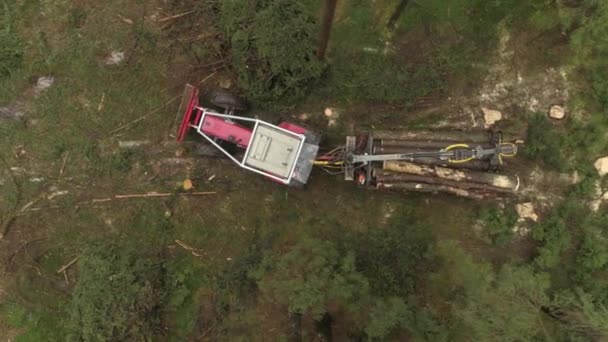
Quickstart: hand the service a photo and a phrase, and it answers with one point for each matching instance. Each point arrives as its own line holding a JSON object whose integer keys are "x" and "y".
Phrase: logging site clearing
{"x": 334, "y": 170}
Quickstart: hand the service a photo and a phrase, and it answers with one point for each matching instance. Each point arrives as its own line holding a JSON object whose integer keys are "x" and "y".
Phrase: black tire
{"x": 225, "y": 100}
{"x": 206, "y": 150}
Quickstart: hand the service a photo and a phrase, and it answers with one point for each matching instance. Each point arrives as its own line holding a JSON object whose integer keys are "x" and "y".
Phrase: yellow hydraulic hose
{"x": 455, "y": 146}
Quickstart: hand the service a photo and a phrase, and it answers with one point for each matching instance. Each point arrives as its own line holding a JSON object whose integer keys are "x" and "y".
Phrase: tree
{"x": 498, "y": 223}
{"x": 386, "y": 315}
{"x": 592, "y": 255}
{"x": 590, "y": 45}
{"x": 273, "y": 47}
{"x": 510, "y": 309}
{"x": 581, "y": 314}
{"x": 310, "y": 276}
{"x": 460, "y": 276}
{"x": 555, "y": 238}
{"x": 118, "y": 296}
{"x": 493, "y": 307}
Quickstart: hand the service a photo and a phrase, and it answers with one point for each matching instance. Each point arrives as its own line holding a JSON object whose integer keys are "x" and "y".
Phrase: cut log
{"x": 411, "y": 149}
{"x": 450, "y": 136}
{"x": 478, "y": 165}
{"x": 432, "y": 188}
{"x": 428, "y": 143}
{"x": 395, "y": 177}
{"x": 496, "y": 180}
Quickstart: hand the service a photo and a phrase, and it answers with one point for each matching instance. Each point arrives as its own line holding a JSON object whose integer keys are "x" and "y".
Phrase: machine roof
{"x": 273, "y": 150}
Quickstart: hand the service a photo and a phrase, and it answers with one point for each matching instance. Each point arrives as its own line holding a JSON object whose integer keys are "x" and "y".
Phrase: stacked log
{"x": 433, "y": 175}
{"x": 389, "y": 142}
{"x": 429, "y": 178}
{"x": 435, "y": 136}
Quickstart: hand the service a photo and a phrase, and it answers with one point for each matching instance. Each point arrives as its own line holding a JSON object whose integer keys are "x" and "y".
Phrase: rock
{"x": 329, "y": 112}
{"x": 491, "y": 116}
{"x": 115, "y": 58}
{"x": 526, "y": 211}
{"x": 557, "y": 112}
{"x": 601, "y": 165}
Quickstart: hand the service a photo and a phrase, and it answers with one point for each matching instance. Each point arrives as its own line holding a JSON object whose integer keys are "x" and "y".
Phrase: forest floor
{"x": 67, "y": 165}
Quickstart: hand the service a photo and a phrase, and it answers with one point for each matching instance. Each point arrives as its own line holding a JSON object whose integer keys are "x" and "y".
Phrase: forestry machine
{"x": 287, "y": 152}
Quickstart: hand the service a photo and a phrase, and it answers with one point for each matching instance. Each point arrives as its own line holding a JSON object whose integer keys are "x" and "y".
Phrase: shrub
{"x": 118, "y": 295}
{"x": 545, "y": 143}
{"x": 392, "y": 258}
{"x": 555, "y": 238}
{"x": 499, "y": 223}
{"x": 550, "y": 144}
{"x": 310, "y": 276}
{"x": 386, "y": 316}
{"x": 593, "y": 253}
{"x": 273, "y": 47}
{"x": 590, "y": 46}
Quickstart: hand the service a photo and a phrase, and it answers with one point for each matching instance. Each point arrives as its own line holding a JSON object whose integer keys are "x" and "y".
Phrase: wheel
{"x": 206, "y": 150}
{"x": 225, "y": 100}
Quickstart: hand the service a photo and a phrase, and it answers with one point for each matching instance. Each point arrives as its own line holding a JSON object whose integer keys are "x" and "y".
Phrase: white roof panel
{"x": 273, "y": 150}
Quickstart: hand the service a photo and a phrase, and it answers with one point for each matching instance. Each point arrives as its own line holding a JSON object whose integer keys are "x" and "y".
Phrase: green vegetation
{"x": 118, "y": 296}
{"x": 564, "y": 148}
{"x": 310, "y": 276}
{"x": 256, "y": 259}
{"x": 498, "y": 223}
{"x": 269, "y": 63}
{"x": 11, "y": 49}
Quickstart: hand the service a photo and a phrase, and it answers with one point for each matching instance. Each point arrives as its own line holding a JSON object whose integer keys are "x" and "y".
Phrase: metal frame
{"x": 256, "y": 122}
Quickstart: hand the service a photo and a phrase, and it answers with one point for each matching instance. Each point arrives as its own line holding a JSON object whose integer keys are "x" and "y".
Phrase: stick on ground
{"x": 144, "y": 116}
{"x": 68, "y": 265}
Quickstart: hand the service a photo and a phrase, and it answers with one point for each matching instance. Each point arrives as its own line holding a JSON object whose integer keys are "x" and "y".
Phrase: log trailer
{"x": 459, "y": 163}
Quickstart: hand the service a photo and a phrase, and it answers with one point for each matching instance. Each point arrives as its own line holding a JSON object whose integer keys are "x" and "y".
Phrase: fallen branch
{"x": 68, "y": 265}
{"x": 167, "y": 194}
{"x": 194, "y": 251}
{"x": 123, "y": 197}
{"x": 175, "y": 16}
{"x": 10, "y": 220}
{"x": 144, "y": 116}
{"x": 65, "y": 160}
